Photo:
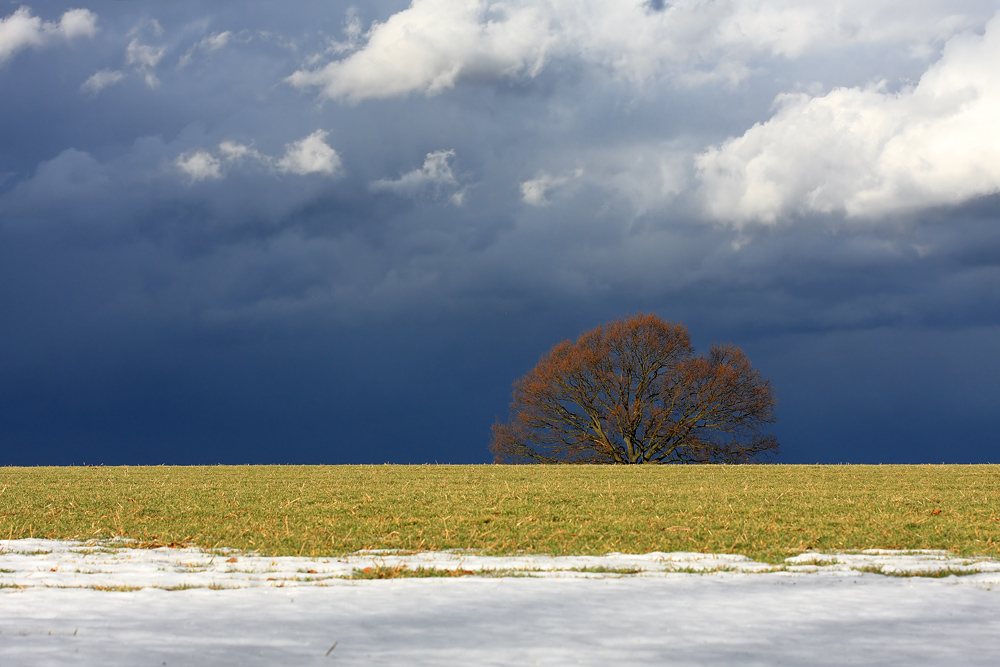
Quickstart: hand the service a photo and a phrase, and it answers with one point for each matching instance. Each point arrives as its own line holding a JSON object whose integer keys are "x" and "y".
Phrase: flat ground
{"x": 765, "y": 512}
{"x": 302, "y": 595}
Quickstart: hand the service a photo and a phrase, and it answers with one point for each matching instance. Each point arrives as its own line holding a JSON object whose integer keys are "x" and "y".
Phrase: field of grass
{"x": 765, "y": 512}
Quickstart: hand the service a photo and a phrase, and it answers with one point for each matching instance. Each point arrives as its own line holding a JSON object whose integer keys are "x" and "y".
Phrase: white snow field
{"x": 65, "y": 603}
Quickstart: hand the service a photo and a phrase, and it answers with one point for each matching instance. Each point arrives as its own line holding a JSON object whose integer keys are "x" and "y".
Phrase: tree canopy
{"x": 633, "y": 391}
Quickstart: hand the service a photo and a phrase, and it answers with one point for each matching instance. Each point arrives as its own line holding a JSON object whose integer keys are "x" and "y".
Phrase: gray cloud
{"x": 434, "y": 179}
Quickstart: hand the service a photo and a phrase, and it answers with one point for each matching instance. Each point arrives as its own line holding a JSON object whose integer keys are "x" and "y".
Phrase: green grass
{"x": 764, "y": 512}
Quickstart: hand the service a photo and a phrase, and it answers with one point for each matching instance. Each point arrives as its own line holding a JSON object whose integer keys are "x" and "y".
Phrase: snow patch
{"x": 116, "y": 566}
{"x": 105, "y": 603}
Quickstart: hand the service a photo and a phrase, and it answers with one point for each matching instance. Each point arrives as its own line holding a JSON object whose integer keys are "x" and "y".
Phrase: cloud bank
{"x": 430, "y": 46}
{"x": 868, "y": 152}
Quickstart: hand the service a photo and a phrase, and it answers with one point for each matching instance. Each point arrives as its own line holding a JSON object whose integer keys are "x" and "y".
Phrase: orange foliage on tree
{"x": 633, "y": 391}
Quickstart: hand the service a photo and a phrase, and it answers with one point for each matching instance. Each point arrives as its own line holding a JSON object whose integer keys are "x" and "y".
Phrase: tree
{"x": 633, "y": 391}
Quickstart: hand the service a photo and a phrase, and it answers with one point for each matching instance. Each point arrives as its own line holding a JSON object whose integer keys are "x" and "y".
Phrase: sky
{"x": 332, "y": 233}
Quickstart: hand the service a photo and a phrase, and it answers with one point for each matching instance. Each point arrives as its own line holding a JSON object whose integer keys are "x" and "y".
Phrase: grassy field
{"x": 765, "y": 512}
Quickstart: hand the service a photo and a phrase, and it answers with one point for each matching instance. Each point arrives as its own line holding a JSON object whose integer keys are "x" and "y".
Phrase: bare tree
{"x": 633, "y": 391}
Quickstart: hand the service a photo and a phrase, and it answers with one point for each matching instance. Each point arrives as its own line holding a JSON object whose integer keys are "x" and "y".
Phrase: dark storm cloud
{"x": 255, "y": 234}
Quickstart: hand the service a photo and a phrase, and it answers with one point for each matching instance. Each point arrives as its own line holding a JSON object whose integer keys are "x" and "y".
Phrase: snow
{"x": 72, "y": 603}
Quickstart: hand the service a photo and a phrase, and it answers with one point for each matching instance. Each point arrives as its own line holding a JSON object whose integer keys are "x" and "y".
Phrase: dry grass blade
{"x": 764, "y": 512}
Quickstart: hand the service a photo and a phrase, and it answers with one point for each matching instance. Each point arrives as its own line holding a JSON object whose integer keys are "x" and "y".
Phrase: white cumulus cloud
{"x": 77, "y": 23}
{"x": 428, "y": 46}
{"x": 311, "y": 155}
{"x": 868, "y": 151}
{"x": 21, "y": 30}
{"x": 434, "y": 179}
{"x": 433, "y": 44}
